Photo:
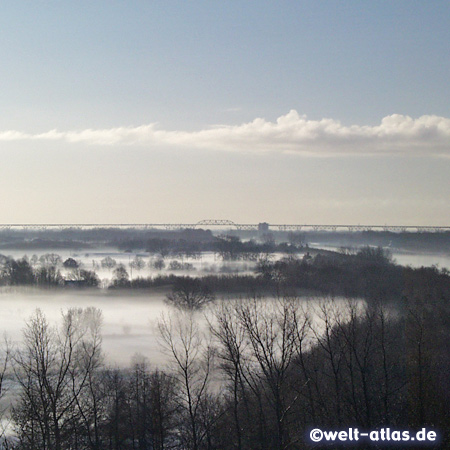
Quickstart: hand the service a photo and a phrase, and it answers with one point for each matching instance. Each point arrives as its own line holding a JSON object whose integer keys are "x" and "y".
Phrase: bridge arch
{"x": 216, "y": 223}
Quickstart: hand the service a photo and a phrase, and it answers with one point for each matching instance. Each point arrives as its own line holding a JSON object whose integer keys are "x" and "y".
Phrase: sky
{"x": 289, "y": 112}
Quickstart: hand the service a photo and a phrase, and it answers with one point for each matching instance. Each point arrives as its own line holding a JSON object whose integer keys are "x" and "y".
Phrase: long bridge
{"x": 221, "y": 224}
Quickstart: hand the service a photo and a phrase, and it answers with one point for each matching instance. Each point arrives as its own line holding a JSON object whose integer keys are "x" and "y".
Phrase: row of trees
{"x": 253, "y": 374}
{"x": 52, "y": 271}
{"x": 21, "y": 273}
{"x": 227, "y": 246}
{"x": 368, "y": 273}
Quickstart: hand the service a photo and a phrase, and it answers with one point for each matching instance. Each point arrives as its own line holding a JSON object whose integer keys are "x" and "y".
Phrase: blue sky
{"x": 153, "y": 111}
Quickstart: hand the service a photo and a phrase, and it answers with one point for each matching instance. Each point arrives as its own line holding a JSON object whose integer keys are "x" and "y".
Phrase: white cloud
{"x": 291, "y": 133}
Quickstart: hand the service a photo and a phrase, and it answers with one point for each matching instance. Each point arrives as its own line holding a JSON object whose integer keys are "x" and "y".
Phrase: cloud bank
{"x": 291, "y": 133}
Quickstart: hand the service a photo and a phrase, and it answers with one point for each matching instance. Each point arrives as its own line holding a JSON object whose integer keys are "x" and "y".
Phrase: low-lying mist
{"x": 130, "y": 320}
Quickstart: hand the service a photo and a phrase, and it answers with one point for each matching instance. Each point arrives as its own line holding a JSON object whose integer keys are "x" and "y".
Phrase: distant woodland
{"x": 146, "y": 240}
{"x": 373, "y": 352}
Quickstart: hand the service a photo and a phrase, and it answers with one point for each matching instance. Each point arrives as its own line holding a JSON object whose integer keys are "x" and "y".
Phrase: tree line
{"x": 43, "y": 272}
{"x": 368, "y": 273}
{"x": 253, "y": 373}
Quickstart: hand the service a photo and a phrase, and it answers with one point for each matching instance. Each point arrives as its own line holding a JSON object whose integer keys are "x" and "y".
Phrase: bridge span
{"x": 221, "y": 224}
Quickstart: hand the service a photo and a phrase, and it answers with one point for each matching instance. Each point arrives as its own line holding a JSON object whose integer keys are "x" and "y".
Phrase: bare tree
{"x": 50, "y": 259}
{"x": 273, "y": 330}
{"x": 357, "y": 333}
{"x": 108, "y": 263}
{"x": 121, "y": 278}
{"x": 87, "y": 376}
{"x": 189, "y": 293}
{"x": 48, "y": 276}
{"x": 164, "y": 408}
{"x": 328, "y": 314}
{"x": 225, "y": 327}
{"x": 137, "y": 263}
{"x": 52, "y": 369}
{"x": 140, "y": 406}
{"x": 5, "y": 355}
{"x": 192, "y": 359}
{"x": 117, "y": 427}
{"x": 157, "y": 264}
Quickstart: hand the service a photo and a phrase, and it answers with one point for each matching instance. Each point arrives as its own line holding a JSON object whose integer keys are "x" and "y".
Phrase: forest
{"x": 253, "y": 365}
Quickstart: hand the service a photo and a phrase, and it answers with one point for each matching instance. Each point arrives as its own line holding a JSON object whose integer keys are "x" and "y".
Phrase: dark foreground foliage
{"x": 274, "y": 370}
